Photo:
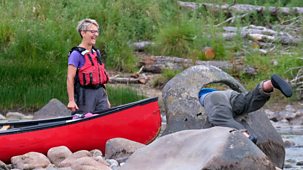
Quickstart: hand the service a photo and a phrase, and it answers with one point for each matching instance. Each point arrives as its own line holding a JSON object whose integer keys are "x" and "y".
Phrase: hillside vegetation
{"x": 36, "y": 36}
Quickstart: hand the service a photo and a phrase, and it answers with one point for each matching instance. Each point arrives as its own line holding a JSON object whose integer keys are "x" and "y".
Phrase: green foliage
{"x": 6, "y": 35}
{"x": 167, "y": 74}
{"x": 28, "y": 85}
{"x": 284, "y": 65}
{"x": 188, "y": 34}
{"x": 36, "y": 36}
{"x": 175, "y": 39}
{"x": 293, "y": 3}
{"x": 122, "y": 95}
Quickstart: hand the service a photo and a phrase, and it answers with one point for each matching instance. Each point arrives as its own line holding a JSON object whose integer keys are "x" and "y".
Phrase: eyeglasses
{"x": 92, "y": 31}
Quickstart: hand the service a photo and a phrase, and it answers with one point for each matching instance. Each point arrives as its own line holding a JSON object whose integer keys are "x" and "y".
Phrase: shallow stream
{"x": 293, "y": 135}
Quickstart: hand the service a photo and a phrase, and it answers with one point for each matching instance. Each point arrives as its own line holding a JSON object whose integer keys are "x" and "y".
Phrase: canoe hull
{"x": 140, "y": 123}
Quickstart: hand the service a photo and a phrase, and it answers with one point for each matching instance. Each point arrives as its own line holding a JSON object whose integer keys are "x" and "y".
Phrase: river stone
{"x": 2, "y": 117}
{"x": 31, "y": 160}
{"x": 58, "y": 154}
{"x": 88, "y": 163}
{"x": 200, "y": 149}
{"x": 96, "y": 152}
{"x": 68, "y": 162}
{"x": 3, "y": 166}
{"x": 120, "y": 149}
{"x": 17, "y": 116}
{"x": 54, "y": 108}
{"x": 183, "y": 110}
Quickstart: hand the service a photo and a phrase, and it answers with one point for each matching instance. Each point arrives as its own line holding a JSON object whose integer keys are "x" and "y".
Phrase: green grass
{"x": 167, "y": 74}
{"x": 122, "y": 95}
{"x": 36, "y": 36}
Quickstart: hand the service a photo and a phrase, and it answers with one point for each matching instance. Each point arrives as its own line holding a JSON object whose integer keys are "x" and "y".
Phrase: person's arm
{"x": 71, "y": 73}
{"x": 250, "y": 101}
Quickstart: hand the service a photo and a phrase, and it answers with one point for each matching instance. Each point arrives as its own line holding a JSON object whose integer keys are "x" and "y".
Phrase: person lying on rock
{"x": 222, "y": 106}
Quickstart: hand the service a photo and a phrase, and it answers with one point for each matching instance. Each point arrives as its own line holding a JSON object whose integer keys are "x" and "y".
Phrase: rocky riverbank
{"x": 287, "y": 120}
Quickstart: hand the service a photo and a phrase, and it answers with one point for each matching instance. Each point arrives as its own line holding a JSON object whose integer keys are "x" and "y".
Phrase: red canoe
{"x": 139, "y": 121}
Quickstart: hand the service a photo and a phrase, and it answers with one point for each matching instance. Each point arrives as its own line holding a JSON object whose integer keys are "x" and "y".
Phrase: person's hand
{"x": 72, "y": 106}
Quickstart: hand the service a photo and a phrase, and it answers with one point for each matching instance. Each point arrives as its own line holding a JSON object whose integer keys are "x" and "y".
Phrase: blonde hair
{"x": 83, "y": 24}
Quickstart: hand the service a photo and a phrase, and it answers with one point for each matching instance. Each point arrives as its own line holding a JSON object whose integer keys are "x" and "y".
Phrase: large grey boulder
{"x": 183, "y": 110}
{"x": 213, "y": 148}
{"x": 180, "y": 96}
{"x": 54, "y": 108}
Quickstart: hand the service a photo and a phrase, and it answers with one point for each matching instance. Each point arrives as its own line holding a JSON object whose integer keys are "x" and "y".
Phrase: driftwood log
{"x": 242, "y": 8}
{"x": 156, "y": 64}
{"x": 260, "y": 34}
{"x": 127, "y": 80}
{"x": 264, "y": 37}
{"x": 135, "y": 78}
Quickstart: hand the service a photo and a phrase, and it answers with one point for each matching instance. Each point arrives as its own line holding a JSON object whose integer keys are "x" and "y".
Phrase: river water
{"x": 293, "y": 135}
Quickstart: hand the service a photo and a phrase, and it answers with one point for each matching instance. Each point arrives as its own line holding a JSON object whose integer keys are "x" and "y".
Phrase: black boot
{"x": 281, "y": 85}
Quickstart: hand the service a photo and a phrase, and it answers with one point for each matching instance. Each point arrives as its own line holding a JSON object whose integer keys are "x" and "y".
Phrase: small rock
{"x": 289, "y": 143}
{"x": 120, "y": 149}
{"x": 96, "y": 153}
{"x": 270, "y": 114}
{"x": 113, "y": 163}
{"x": 290, "y": 108}
{"x": 3, "y": 166}
{"x": 81, "y": 153}
{"x": 284, "y": 121}
{"x": 58, "y": 154}
{"x": 2, "y": 117}
{"x": 291, "y": 161}
{"x": 287, "y": 166}
{"x": 14, "y": 116}
{"x": 88, "y": 163}
{"x": 69, "y": 161}
{"x": 102, "y": 160}
{"x": 31, "y": 160}
{"x": 300, "y": 163}
{"x": 54, "y": 108}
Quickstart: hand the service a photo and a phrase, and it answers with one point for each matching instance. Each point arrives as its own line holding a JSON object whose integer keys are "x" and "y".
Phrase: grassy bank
{"x": 36, "y": 35}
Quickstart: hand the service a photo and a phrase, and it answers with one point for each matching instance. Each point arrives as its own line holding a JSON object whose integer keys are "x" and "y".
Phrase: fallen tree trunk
{"x": 128, "y": 80}
{"x": 259, "y": 33}
{"x": 242, "y": 8}
{"x": 156, "y": 64}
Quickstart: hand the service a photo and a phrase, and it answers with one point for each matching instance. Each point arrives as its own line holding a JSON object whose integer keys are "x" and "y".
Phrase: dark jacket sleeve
{"x": 248, "y": 101}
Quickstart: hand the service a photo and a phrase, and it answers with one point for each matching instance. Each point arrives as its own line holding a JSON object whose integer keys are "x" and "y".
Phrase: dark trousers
{"x": 223, "y": 106}
{"x": 91, "y": 100}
